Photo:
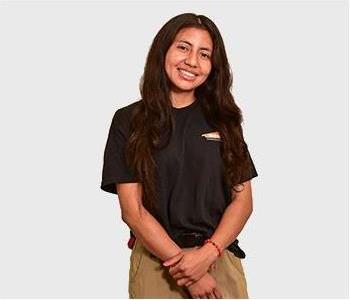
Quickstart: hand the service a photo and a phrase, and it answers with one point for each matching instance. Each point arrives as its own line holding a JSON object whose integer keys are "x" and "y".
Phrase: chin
{"x": 184, "y": 87}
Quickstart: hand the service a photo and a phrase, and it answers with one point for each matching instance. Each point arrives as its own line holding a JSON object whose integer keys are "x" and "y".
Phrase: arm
{"x": 233, "y": 220}
{"x": 145, "y": 227}
{"x": 236, "y": 214}
{"x": 152, "y": 235}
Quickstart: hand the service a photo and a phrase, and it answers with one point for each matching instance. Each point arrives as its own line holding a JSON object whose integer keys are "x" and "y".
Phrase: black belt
{"x": 189, "y": 240}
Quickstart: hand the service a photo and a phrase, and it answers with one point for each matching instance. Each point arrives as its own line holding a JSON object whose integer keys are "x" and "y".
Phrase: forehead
{"x": 195, "y": 36}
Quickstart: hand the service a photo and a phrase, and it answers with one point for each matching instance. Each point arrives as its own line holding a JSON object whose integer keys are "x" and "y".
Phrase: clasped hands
{"x": 189, "y": 268}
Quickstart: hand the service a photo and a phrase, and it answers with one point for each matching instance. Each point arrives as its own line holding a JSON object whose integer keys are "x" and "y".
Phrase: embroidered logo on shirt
{"x": 212, "y": 136}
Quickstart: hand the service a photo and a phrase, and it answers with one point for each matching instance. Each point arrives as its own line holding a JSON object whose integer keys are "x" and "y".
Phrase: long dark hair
{"x": 152, "y": 117}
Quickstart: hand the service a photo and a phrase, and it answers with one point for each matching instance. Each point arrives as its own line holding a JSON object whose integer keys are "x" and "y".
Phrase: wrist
{"x": 210, "y": 251}
{"x": 218, "y": 248}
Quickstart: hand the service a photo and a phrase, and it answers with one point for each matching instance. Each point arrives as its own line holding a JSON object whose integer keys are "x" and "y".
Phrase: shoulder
{"x": 127, "y": 110}
{"x": 122, "y": 115}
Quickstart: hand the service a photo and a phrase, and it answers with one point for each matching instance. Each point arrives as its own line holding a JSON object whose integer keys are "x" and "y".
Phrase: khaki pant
{"x": 148, "y": 278}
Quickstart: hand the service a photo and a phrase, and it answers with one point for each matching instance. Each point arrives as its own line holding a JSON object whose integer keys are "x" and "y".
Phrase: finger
{"x": 179, "y": 275}
{"x": 210, "y": 268}
{"x": 189, "y": 283}
{"x": 172, "y": 260}
{"x": 175, "y": 269}
{"x": 217, "y": 293}
{"x": 182, "y": 281}
{"x": 210, "y": 296}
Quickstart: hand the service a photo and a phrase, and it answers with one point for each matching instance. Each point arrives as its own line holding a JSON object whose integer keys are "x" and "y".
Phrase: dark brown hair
{"x": 152, "y": 117}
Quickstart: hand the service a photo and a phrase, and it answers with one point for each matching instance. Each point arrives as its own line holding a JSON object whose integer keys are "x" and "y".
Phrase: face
{"x": 188, "y": 59}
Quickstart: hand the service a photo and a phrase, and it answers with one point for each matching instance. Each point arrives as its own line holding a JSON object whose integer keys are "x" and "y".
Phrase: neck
{"x": 183, "y": 99}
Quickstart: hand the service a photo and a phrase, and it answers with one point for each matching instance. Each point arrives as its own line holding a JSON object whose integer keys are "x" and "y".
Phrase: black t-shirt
{"x": 192, "y": 195}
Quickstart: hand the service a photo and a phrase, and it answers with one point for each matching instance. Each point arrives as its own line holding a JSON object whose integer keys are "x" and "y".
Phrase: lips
{"x": 187, "y": 71}
{"x": 187, "y": 75}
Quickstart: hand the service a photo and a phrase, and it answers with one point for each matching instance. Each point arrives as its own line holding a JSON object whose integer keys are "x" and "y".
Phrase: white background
{"x": 65, "y": 67}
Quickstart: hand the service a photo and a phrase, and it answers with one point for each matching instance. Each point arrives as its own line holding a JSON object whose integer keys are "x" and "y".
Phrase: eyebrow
{"x": 202, "y": 48}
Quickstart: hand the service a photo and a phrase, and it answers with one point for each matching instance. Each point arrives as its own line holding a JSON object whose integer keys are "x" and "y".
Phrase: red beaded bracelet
{"x": 216, "y": 246}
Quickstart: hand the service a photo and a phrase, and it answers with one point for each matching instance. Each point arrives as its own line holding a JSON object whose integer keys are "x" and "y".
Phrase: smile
{"x": 187, "y": 75}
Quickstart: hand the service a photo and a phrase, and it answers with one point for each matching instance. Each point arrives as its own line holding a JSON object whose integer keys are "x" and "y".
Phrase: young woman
{"x": 179, "y": 163}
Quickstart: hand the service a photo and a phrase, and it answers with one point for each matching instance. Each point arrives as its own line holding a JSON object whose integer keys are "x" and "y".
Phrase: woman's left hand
{"x": 190, "y": 265}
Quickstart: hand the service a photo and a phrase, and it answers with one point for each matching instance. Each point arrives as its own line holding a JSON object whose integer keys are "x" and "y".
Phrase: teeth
{"x": 187, "y": 73}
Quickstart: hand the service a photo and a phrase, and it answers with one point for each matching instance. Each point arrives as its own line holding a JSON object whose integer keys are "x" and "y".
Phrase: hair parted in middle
{"x": 152, "y": 118}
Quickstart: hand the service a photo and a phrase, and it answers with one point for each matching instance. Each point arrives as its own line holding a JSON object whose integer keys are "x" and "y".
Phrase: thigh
{"x": 148, "y": 278}
{"x": 230, "y": 277}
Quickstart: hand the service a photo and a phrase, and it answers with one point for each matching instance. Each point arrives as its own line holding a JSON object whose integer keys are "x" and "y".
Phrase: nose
{"x": 191, "y": 59}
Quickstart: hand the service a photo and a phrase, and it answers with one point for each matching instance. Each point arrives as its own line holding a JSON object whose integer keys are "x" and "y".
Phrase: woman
{"x": 178, "y": 161}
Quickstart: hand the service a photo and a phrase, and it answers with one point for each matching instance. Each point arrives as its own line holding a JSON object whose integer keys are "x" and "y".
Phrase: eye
{"x": 205, "y": 55}
{"x": 182, "y": 47}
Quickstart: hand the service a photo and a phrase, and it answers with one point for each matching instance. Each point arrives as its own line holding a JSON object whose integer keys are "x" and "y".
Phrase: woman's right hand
{"x": 206, "y": 287}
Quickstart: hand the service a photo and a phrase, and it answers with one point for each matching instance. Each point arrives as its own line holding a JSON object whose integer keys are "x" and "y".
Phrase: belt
{"x": 192, "y": 239}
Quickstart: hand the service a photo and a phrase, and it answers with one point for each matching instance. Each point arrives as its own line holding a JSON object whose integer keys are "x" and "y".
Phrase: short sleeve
{"x": 114, "y": 168}
{"x": 250, "y": 172}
